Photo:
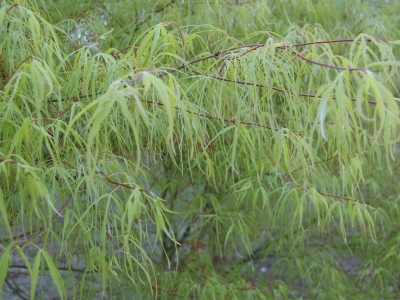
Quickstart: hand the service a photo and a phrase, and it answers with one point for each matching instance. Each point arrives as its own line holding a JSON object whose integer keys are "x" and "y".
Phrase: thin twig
{"x": 274, "y": 88}
{"x": 233, "y": 121}
{"x": 56, "y": 215}
{"x": 307, "y": 43}
{"x": 60, "y": 114}
{"x": 334, "y": 196}
{"x": 82, "y": 270}
{"x": 322, "y": 64}
{"x": 9, "y": 161}
{"x": 124, "y": 184}
{"x": 12, "y": 6}
{"x": 16, "y": 290}
{"x": 15, "y": 71}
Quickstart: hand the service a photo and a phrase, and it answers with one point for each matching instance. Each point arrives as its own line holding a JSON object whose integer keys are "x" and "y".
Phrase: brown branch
{"x": 124, "y": 184}
{"x": 139, "y": 76}
{"x": 59, "y": 268}
{"x": 274, "y": 88}
{"x": 118, "y": 52}
{"x": 179, "y": 30}
{"x": 233, "y": 121}
{"x": 336, "y": 41}
{"x": 16, "y": 288}
{"x": 15, "y": 71}
{"x": 56, "y": 215}
{"x": 311, "y": 43}
{"x": 60, "y": 114}
{"x": 171, "y": 70}
{"x": 334, "y": 196}
{"x": 112, "y": 181}
{"x": 256, "y": 46}
{"x": 347, "y": 198}
{"x": 9, "y": 161}
{"x": 12, "y": 6}
{"x": 219, "y": 54}
{"x": 110, "y": 237}
{"x": 322, "y": 64}
{"x": 313, "y": 164}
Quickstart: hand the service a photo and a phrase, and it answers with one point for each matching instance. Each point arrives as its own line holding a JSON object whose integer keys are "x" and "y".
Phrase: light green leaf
{"x": 55, "y": 275}
{"x": 4, "y": 213}
{"x": 5, "y": 261}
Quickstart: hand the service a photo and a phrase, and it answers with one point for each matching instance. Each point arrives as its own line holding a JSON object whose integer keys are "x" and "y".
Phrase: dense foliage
{"x": 199, "y": 149}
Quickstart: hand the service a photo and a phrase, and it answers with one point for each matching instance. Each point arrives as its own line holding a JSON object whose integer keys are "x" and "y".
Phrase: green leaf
{"x": 55, "y": 275}
{"x": 35, "y": 273}
{"x": 4, "y": 213}
{"x": 5, "y": 261}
